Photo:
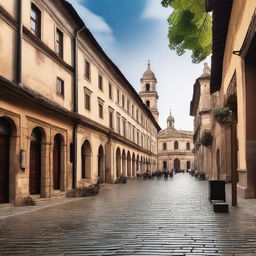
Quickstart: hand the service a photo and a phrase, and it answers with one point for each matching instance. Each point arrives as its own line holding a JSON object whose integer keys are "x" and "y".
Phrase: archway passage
{"x": 5, "y": 134}
{"x": 118, "y": 163}
{"x": 57, "y": 161}
{"x": 101, "y": 164}
{"x": 164, "y": 165}
{"x": 176, "y": 164}
{"x": 188, "y": 165}
{"x": 123, "y": 163}
{"x": 133, "y": 165}
{"x": 86, "y": 160}
{"x": 129, "y": 165}
{"x": 35, "y": 162}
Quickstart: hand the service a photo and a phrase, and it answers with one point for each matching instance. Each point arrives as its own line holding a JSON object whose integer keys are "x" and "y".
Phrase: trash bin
{"x": 217, "y": 190}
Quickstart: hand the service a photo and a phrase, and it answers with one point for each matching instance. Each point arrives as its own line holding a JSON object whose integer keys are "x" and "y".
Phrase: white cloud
{"x": 154, "y": 10}
{"x": 97, "y": 25}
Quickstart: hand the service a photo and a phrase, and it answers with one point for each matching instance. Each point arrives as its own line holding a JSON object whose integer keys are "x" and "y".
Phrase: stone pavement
{"x": 154, "y": 217}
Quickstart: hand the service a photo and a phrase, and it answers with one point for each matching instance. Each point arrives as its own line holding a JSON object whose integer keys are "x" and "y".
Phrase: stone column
{"x": 109, "y": 162}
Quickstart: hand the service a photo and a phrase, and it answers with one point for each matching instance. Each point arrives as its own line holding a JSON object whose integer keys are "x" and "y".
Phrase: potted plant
{"x": 222, "y": 115}
{"x": 206, "y": 139}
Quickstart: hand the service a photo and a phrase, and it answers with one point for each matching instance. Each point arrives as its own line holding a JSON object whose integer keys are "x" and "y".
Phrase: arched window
{"x": 147, "y": 87}
{"x": 164, "y": 146}
{"x": 148, "y": 103}
{"x": 188, "y": 146}
{"x": 176, "y": 145}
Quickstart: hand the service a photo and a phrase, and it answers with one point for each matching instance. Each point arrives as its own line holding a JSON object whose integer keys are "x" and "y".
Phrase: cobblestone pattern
{"x": 156, "y": 217}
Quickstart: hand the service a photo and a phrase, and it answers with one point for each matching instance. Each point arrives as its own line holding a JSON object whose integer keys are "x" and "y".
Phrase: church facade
{"x": 175, "y": 148}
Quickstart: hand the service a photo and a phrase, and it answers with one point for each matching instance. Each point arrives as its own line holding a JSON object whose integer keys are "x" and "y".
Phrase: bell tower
{"x": 148, "y": 91}
{"x": 170, "y": 121}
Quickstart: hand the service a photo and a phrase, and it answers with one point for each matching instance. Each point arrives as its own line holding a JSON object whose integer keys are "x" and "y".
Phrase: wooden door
{"x": 56, "y": 162}
{"x": 35, "y": 163}
{"x": 4, "y": 168}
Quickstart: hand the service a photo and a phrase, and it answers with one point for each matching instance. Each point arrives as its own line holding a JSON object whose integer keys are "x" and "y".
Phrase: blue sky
{"x": 133, "y": 31}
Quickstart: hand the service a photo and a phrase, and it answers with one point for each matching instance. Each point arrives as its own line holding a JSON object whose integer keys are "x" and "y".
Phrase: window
{"x": 118, "y": 124}
{"x": 188, "y": 146}
{"x": 132, "y": 111}
{"x": 60, "y": 87}
{"x": 118, "y": 96}
{"x": 123, "y": 101}
{"x": 133, "y": 134}
{"x": 110, "y": 90}
{"x": 128, "y": 106}
{"x": 176, "y": 145}
{"x": 164, "y": 146}
{"x": 124, "y": 128}
{"x": 129, "y": 134}
{"x": 87, "y": 98}
{"x": 87, "y": 70}
{"x": 59, "y": 43}
{"x": 111, "y": 119}
{"x": 87, "y": 101}
{"x": 137, "y": 115}
{"x": 147, "y": 87}
{"x": 138, "y": 137}
{"x": 100, "y": 82}
{"x": 100, "y": 110}
{"x": 148, "y": 103}
{"x": 35, "y": 20}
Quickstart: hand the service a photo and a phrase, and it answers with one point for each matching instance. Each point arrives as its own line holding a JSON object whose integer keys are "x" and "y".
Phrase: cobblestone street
{"x": 154, "y": 217}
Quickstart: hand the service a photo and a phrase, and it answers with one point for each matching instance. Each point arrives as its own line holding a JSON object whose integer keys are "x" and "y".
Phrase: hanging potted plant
{"x": 222, "y": 115}
{"x": 206, "y": 139}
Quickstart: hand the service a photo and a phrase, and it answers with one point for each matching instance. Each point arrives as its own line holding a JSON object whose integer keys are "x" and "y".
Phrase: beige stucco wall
{"x": 25, "y": 119}
{"x": 7, "y": 56}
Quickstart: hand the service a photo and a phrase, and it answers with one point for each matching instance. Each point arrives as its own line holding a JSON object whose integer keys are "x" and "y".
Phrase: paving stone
{"x": 153, "y": 217}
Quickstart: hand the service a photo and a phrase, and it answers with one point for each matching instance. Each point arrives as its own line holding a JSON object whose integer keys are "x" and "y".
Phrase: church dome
{"x": 170, "y": 120}
{"x": 149, "y": 74}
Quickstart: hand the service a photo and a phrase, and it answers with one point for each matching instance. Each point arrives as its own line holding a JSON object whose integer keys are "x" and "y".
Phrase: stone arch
{"x": 101, "y": 163}
{"x": 141, "y": 164}
{"x": 124, "y": 163}
{"x": 58, "y": 161}
{"x": 137, "y": 163}
{"x": 129, "y": 164}
{"x": 86, "y": 155}
{"x": 118, "y": 163}
{"x": 133, "y": 165}
{"x": 9, "y": 162}
{"x": 36, "y": 156}
{"x": 188, "y": 165}
{"x": 176, "y": 164}
{"x": 165, "y": 165}
{"x": 6, "y": 132}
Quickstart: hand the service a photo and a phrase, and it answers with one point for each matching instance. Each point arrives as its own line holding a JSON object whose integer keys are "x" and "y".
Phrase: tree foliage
{"x": 190, "y": 27}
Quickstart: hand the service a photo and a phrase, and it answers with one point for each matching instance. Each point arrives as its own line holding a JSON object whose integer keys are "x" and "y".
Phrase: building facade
{"x": 68, "y": 116}
{"x": 233, "y": 77}
{"x": 175, "y": 148}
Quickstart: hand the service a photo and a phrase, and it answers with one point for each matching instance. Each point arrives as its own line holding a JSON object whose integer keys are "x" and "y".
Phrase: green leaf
{"x": 190, "y": 28}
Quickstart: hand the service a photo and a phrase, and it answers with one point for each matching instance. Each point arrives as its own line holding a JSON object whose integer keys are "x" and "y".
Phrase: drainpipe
{"x": 75, "y": 106}
{"x": 19, "y": 45}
